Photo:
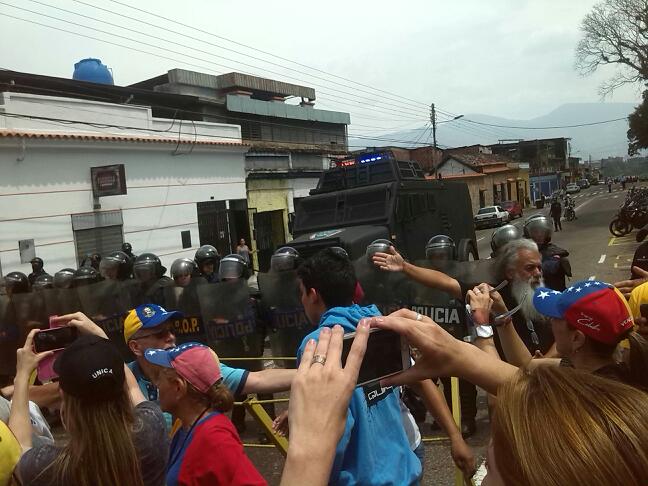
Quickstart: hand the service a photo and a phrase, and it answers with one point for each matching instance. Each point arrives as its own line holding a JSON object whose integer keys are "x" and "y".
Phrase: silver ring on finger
{"x": 318, "y": 358}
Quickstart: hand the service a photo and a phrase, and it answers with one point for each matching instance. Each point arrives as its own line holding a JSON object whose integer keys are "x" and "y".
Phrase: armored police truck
{"x": 373, "y": 195}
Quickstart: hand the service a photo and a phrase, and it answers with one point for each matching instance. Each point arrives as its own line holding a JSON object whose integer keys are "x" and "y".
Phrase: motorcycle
{"x": 570, "y": 213}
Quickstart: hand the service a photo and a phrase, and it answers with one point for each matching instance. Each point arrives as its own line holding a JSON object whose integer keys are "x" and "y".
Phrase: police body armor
{"x": 389, "y": 291}
{"x": 190, "y": 326}
{"x": 284, "y": 313}
{"x": 230, "y": 319}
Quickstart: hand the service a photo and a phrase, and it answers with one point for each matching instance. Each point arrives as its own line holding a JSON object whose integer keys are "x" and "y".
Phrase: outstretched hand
{"x": 627, "y": 286}
{"x": 391, "y": 262}
{"x": 82, "y": 322}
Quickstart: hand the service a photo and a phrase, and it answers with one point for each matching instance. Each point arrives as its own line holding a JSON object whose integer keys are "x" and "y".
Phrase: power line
{"x": 382, "y": 109}
{"x": 548, "y": 128}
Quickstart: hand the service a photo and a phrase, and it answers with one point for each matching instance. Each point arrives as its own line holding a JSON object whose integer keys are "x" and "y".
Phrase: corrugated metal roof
{"x": 9, "y": 133}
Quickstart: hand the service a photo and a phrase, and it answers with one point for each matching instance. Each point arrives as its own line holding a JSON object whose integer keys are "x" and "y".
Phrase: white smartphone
{"x": 387, "y": 354}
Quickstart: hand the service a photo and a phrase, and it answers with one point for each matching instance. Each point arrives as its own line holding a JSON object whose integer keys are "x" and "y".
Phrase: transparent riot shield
{"x": 107, "y": 303}
{"x": 284, "y": 313}
{"x": 469, "y": 273}
{"x": 189, "y": 327}
{"x": 231, "y": 323}
{"x": 59, "y": 302}
{"x": 30, "y": 313}
{"x": 9, "y": 335}
{"x": 389, "y": 291}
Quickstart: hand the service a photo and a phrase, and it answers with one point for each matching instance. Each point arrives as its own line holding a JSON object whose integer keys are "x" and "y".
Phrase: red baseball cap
{"x": 194, "y": 362}
{"x": 595, "y": 308}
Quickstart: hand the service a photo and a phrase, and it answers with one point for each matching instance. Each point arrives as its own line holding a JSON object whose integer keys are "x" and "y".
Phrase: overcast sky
{"x": 497, "y": 57}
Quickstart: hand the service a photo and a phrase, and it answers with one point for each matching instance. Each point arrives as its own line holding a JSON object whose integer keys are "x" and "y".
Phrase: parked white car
{"x": 572, "y": 188}
{"x": 491, "y": 216}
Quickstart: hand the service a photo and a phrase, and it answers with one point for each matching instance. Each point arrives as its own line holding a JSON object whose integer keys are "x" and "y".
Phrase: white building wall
{"x": 454, "y": 167}
{"x": 44, "y": 181}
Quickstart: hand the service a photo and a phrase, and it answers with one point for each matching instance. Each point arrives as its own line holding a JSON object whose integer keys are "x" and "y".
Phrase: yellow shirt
{"x": 637, "y": 297}
{"x": 9, "y": 454}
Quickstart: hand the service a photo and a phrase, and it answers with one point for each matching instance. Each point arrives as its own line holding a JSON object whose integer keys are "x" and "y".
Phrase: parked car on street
{"x": 491, "y": 216}
{"x": 572, "y": 188}
{"x": 514, "y": 209}
{"x": 583, "y": 183}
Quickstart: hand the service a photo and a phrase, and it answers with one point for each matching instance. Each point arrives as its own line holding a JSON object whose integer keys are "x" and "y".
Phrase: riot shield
{"x": 8, "y": 341}
{"x": 389, "y": 291}
{"x": 107, "y": 303}
{"x": 468, "y": 273}
{"x": 59, "y": 302}
{"x": 230, "y": 319}
{"x": 189, "y": 327}
{"x": 30, "y": 313}
{"x": 284, "y": 313}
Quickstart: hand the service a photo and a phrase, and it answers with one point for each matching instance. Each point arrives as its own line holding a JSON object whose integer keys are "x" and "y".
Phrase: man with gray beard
{"x": 520, "y": 263}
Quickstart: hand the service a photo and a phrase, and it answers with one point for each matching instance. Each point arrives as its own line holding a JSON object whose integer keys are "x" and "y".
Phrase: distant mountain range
{"x": 599, "y": 141}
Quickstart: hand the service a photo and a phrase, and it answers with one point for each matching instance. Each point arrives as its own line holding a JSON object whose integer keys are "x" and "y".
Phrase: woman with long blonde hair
{"x": 115, "y": 436}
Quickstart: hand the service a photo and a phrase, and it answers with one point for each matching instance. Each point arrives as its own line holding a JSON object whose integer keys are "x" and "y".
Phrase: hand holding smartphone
{"x": 387, "y": 354}
{"x": 54, "y": 339}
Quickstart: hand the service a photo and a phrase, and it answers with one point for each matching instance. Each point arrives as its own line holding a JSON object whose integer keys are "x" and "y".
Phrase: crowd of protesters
{"x": 565, "y": 366}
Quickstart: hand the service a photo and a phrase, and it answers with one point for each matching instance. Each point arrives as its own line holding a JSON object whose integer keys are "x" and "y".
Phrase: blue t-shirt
{"x": 374, "y": 449}
{"x": 233, "y": 378}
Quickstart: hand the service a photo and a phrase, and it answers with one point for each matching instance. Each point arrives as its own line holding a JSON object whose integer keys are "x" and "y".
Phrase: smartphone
{"x": 387, "y": 354}
{"x": 53, "y": 339}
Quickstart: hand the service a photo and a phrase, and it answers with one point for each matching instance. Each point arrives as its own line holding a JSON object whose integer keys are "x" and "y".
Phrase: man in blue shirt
{"x": 150, "y": 326}
{"x": 374, "y": 449}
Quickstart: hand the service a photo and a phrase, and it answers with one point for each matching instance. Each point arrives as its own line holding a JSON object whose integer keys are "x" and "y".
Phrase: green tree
{"x": 615, "y": 33}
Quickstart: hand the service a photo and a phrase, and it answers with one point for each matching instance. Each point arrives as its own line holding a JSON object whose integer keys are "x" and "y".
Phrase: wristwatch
{"x": 484, "y": 331}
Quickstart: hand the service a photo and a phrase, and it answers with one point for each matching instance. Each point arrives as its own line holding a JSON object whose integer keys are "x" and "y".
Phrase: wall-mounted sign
{"x": 108, "y": 180}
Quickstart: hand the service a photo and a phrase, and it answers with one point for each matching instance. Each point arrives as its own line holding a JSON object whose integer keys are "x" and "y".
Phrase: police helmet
{"x": 126, "y": 248}
{"x": 538, "y": 228}
{"x": 232, "y": 267}
{"x": 38, "y": 262}
{"x": 16, "y": 283}
{"x": 377, "y": 246}
{"x": 285, "y": 258}
{"x": 45, "y": 281}
{"x": 85, "y": 276}
{"x": 182, "y": 267}
{"x": 504, "y": 234}
{"x": 339, "y": 251}
{"x": 63, "y": 278}
{"x": 440, "y": 247}
{"x": 148, "y": 267}
{"x": 206, "y": 254}
{"x": 115, "y": 266}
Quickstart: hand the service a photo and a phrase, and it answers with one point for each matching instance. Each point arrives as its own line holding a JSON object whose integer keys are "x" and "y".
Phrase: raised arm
{"x": 269, "y": 381}
{"x": 394, "y": 262}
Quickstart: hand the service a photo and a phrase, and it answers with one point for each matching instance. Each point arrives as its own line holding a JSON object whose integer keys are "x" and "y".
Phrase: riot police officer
{"x": 232, "y": 275}
{"x": 149, "y": 274}
{"x": 63, "y": 278}
{"x": 16, "y": 283}
{"x": 91, "y": 260}
{"x": 182, "y": 271}
{"x": 128, "y": 250}
{"x": 388, "y": 291}
{"x": 555, "y": 264}
{"x": 206, "y": 259}
{"x": 37, "y": 270}
{"x": 85, "y": 276}
{"x": 439, "y": 250}
{"x": 284, "y": 259}
{"x": 503, "y": 235}
{"x": 44, "y": 282}
{"x": 116, "y": 266}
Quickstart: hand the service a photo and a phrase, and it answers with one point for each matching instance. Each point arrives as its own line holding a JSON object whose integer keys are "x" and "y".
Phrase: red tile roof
{"x": 480, "y": 160}
{"x": 109, "y": 137}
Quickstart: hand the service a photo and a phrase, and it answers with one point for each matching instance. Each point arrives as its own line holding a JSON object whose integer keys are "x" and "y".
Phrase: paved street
{"x": 594, "y": 253}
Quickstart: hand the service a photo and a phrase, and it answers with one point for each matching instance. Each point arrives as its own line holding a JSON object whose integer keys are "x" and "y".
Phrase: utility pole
{"x": 434, "y": 124}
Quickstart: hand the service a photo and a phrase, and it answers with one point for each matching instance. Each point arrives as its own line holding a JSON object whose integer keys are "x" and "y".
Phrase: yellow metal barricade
{"x": 255, "y": 407}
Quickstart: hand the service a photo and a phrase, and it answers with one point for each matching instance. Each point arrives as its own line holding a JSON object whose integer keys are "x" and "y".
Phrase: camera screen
{"x": 382, "y": 358}
{"x": 51, "y": 339}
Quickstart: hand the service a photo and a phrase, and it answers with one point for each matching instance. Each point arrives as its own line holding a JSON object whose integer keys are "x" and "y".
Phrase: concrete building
{"x": 170, "y": 181}
{"x": 491, "y": 178}
{"x": 290, "y": 144}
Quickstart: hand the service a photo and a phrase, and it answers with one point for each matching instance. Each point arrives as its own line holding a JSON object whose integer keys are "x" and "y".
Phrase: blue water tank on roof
{"x": 93, "y": 71}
